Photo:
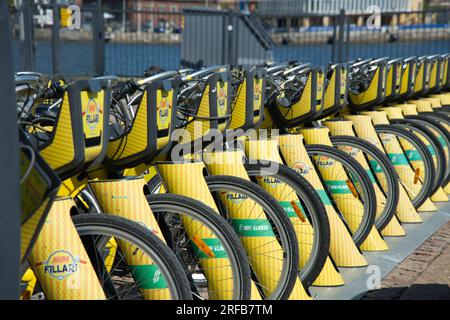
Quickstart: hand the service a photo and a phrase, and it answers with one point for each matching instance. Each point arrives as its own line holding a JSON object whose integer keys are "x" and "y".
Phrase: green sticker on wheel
{"x": 337, "y": 187}
{"x": 398, "y": 159}
{"x": 253, "y": 227}
{"x": 289, "y": 210}
{"x": 431, "y": 149}
{"x": 442, "y": 141}
{"x": 370, "y": 174}
{"x": 375, "y": 166}
{"x": 324, "y": 197}
{"x": 148, "y": 276}
{"x": 413, "y": 155}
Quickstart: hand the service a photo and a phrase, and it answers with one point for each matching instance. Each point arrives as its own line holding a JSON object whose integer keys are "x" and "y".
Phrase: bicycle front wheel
{"x": 213, "y": 257}
{"x": 349, "y": 188}
{"x": 418, "y": 192}
{"x": 110, "y": 241}
{"x": 266, "y": 232}
{"x": 313, "y": 234}
{"x": 382, "y": 172}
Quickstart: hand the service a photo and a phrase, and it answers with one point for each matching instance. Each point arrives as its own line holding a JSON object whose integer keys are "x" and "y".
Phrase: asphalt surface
{"x": 423, "y": 275}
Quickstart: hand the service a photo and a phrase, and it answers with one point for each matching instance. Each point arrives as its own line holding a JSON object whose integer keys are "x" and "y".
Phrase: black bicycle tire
{"x": 441, "y": 165}
{"x": 368, "y": 220}
{"x": 423, "y": 150}
{"x": 309, "y": 196}
{"x": 216, "y": 223}
{"x": 144, "y": 235}
{"x": 435, "y": 119}
{"x": 284, "y": 224}
{"x": 393, "y": 193}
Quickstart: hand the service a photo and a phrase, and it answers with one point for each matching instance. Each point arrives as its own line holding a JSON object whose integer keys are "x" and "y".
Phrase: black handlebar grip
{"x": 121, "y": 89}
{"x": 55, "y": 91}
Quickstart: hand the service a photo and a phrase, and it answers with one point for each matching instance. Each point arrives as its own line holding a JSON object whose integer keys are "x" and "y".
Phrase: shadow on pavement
{"x": 432, "y": 291}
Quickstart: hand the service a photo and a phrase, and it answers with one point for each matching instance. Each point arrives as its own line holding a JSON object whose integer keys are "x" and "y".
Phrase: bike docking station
{"x": 426, "y": 106}
{"x": 188, "y": 179}
{"x": 195, "y": 161}
{"x": 267, "y": 150}
{"x": 125, "y": 198}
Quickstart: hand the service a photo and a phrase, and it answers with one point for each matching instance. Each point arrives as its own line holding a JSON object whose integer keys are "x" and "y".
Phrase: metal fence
{"x": 41, "y": 44}
{"x": 295, "y": 38}
{"x": 320, "y": 39}
{"x": 126, "y": 42}
{"x": 402, "y": 34}
{"x": 142, "y": 39}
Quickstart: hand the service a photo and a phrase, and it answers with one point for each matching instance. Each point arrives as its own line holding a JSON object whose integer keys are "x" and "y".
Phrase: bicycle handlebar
{"x": 360, "y": 63}
{"x": 204, "y": 72}
{"x": 300, "y": 68}
{"x": 159, "y": 76}
{"x": 120, "y": 90}
{"x": 106, "y": 77}
{"x": 53, "y": 92}
{"x": 277, "y": 68}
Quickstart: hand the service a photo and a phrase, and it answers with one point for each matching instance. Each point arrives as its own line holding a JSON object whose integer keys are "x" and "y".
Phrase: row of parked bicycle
{"x": 225, "y": 182}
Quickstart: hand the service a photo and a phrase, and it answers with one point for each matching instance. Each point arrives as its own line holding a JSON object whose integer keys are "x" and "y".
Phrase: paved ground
{"x": 424, "y": 274}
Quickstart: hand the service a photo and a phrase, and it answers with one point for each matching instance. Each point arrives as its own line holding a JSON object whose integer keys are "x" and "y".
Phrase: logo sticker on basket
{"x": 164, "y": 111}
{"x": 324, "y": 161}
{"x": 343, "y": 84}
{"x": 319, "y": 86}
{"x": 61, "y": 264}
{"x": 383, "y": 78}
{"x": 257, "y": 93}
{"x": 343, "y": 81}
{"x": 302, "y": 168}
{"x": 92, "y": 114}
{"x": 222, "y": 99}
{"x": 398, "y": 79}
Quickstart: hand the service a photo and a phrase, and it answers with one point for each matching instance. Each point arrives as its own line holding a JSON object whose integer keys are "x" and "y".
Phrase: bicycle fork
{"x": 59, "y": 260}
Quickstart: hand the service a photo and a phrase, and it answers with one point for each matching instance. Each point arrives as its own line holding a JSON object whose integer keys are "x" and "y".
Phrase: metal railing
{"x": 126, "y": 42}
{"x": 409, "y": 33}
